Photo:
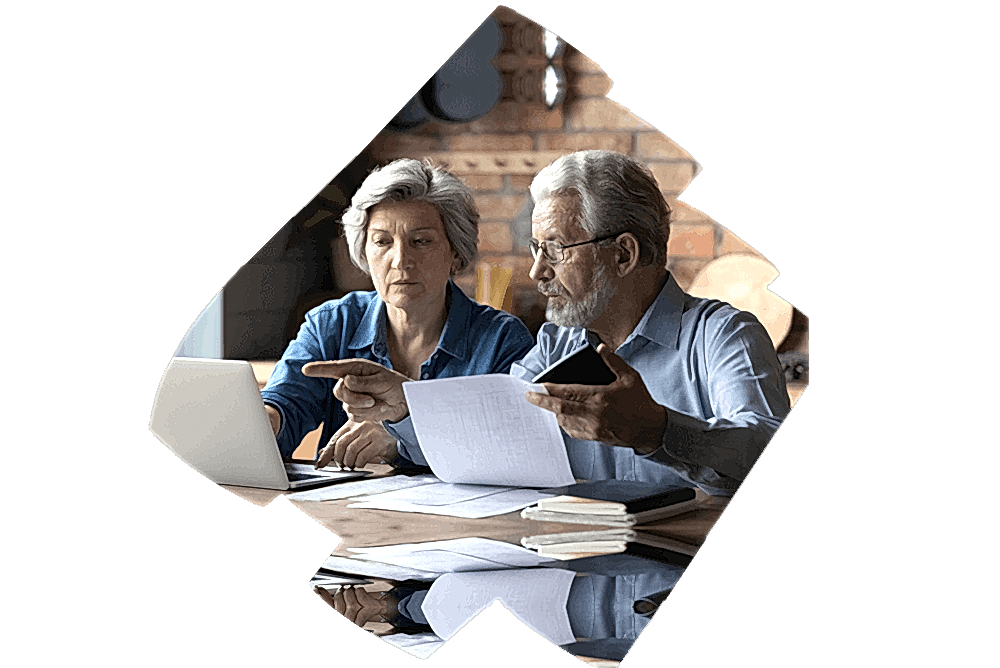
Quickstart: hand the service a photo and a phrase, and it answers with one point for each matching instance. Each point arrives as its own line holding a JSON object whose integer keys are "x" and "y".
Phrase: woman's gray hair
{"x": 409, "y": 180}
{"x": 615, "y": 194}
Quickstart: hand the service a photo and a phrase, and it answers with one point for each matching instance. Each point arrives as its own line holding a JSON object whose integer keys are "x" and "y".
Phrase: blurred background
{"x": 513, "y": 98}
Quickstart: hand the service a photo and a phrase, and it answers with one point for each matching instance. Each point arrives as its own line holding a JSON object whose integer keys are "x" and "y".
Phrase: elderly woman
{"x": 410, "y": 226}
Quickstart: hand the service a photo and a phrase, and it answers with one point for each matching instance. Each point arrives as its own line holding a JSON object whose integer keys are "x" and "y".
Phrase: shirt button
{"x": 425, "y": 375}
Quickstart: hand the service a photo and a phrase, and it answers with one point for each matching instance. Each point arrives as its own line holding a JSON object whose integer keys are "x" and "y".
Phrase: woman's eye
{"x": 381, "y": 242}
{"x": 422, "y": 242}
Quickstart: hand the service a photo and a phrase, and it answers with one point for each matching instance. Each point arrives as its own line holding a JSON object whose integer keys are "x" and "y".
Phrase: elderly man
{"x": 699, "y": 390}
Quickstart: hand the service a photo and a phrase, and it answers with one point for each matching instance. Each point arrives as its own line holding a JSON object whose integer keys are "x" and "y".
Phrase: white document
{"x": 333, "y": 584}
{"x": 438, "y": 494}
{"x": 536, "y": 596}
{"x": 346, "y": 490}
{"x": 476, "y": 505}
{"x": 487, "y": 548}
{"x": 420, "y": 645}
{"x": 374, "y": 569}
{"x": 481, "y": 430}
{"x": 454, "y": 556}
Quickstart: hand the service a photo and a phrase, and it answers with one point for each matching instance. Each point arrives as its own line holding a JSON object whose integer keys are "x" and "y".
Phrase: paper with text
{"x": 536, "y": 596}
{"x": 346, "y": 490}
{"x": 481, "y": 430}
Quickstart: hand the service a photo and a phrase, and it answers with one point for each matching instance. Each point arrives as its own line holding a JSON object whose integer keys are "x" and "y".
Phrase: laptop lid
{"x": 210, "y": 414}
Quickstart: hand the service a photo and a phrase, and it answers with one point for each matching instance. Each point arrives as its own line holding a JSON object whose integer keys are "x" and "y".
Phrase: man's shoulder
{"x": 719, "y": 320}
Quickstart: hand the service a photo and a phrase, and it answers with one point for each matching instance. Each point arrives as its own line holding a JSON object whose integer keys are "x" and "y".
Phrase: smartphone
{"x": 584, "y": 366}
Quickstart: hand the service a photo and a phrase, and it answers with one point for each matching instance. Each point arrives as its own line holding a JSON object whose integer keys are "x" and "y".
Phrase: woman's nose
{"x": 402, "y": 258}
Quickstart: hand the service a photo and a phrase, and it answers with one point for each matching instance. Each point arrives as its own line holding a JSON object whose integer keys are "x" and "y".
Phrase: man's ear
{"x": 627, "y": 254}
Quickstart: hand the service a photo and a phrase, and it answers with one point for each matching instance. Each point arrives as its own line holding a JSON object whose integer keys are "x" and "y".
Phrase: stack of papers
{"x": 346, "y": 490}
{"x": 454, "y": 556}
{"x": 466, "y": 501}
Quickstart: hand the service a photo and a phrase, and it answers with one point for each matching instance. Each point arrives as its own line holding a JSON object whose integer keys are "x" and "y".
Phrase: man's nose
{"x": 540, "y": 268}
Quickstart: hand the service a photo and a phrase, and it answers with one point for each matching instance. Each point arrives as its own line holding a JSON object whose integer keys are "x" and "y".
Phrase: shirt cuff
{"x": 406, "y": 440}
{"x": 676, "y": 451}
{"x": 284, "y": 421}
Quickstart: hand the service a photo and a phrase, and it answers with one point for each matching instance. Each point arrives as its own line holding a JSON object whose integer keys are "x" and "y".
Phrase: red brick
{"x": 599, "y": 113}
{"x": 518, "y": 117}
{"x": 483, "y": 182}
{"x": 686, "y": 214}
{"x": 608, "y": 141}
{"x": 672, "y": 177}
{"x": 685, "y": 269}
{"x": 692, "y": 241}
{"x": 391, "y": 146}
{"x": 489, "y": 143}
{"x": 591, "y": 85}
{"x": 656, "y": 146}
{"x": 730, "y": 243}
{"x": 520, "y": 183}
{"x": 503, "y": 207}
{"x": 495, "y": 237}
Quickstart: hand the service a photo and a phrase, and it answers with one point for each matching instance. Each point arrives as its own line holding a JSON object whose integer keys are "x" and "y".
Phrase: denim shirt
{"x": 715, "y": 370}
{"x": 476, "y": 340}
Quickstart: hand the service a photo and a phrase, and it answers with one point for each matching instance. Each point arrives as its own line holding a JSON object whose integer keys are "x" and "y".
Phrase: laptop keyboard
{"x": 294, "y": 476}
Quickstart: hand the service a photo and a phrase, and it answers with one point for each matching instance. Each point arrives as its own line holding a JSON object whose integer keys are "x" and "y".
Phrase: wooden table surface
{"x": 369, "y": 527}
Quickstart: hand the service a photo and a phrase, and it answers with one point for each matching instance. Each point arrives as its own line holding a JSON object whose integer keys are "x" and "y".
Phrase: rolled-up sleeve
{"x": 302, "y": 401}
{"x": 748, "y": 399}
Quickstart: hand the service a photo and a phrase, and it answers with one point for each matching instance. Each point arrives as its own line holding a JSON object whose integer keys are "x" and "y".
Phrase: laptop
{"x": 210, "y": 414}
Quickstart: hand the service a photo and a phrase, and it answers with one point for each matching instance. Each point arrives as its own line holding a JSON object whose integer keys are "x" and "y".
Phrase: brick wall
{"x": 499, "y": 154}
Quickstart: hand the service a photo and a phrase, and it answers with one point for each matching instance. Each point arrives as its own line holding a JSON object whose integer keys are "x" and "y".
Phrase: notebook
{"x": 210, "y": 414}
{"x": 581, "y": 544}
{"x": 615, "y": 503}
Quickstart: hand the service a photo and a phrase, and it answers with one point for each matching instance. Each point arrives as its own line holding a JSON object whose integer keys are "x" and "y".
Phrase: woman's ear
{"x": 627, "y": 254}
{"x": 456, "y": 263}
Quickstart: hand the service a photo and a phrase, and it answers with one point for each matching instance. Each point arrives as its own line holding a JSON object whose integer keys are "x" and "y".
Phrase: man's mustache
{"x": 551, "y": 289}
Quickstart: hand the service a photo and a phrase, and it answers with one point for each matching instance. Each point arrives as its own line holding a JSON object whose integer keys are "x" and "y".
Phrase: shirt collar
{"x": 662, "y": 321}
{"x": 371, "y": 331}
{"x": 455, "y": 337}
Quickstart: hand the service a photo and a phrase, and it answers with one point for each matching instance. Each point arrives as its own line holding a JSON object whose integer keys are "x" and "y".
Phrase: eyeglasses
{"x": 555, "y": 252}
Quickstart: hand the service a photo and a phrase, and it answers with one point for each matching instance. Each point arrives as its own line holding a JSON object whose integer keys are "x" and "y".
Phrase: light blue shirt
{"x": 711, "y": 365}
{"x": 715, "y": 370}
{"x": 476, "y": 340}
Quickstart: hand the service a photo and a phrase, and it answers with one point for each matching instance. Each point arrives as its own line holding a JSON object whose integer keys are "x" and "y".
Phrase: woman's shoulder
{"x": 343, "y": 314}
{"x": 485, "y": 317}
{"x": 351, "y": 303}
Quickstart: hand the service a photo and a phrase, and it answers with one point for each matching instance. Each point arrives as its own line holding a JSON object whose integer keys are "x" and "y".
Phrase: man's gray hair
{"x": 408, "y": 180}
{"x": 615, "y": 195}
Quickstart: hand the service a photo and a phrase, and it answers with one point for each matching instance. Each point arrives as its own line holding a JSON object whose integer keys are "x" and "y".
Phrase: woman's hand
{"x": 357, "y": 444}
{"x": 367, "y": 389}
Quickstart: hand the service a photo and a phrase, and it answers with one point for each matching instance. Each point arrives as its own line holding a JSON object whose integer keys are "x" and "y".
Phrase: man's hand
{"x": 357, "y": 444}
{"x": 359, "y": 606}
{"x": 367, "y": 389}
{"x": 622, "y": 413}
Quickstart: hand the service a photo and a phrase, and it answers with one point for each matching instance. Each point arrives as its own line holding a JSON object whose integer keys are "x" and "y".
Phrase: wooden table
{"x": 369, "y": 527}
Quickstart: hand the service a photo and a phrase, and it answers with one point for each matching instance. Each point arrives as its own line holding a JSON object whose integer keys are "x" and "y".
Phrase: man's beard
{"x": 580, "y": 313}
